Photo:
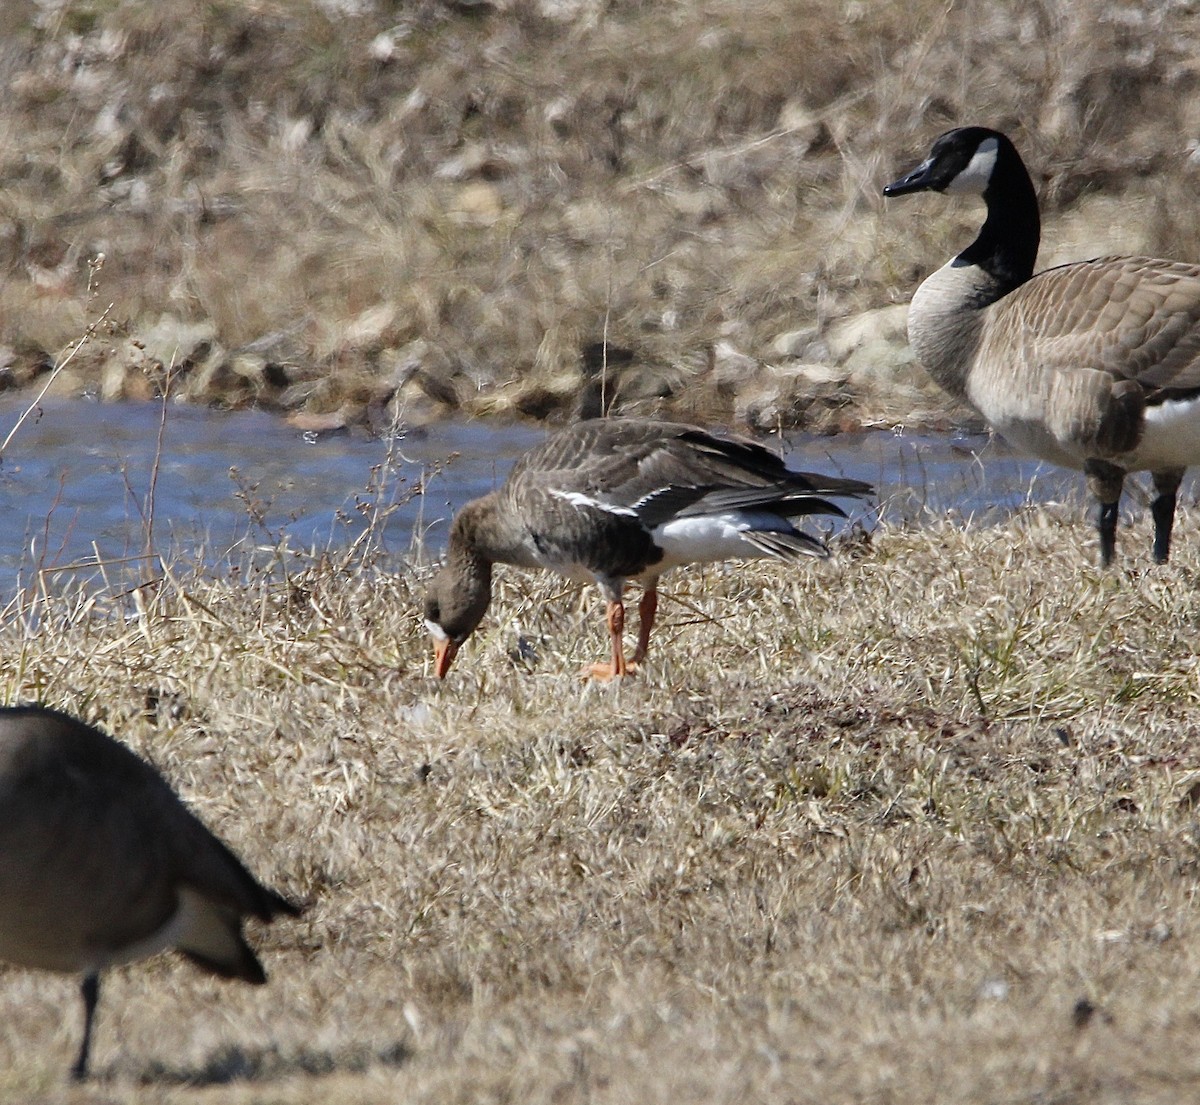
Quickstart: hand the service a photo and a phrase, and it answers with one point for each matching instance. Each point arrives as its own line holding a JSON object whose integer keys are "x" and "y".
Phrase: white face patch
{"x": 575, "y": 498}
{"x": 436, "y": 631}
{"x": 973, "y": 180}
{"x": 195, "y": 918}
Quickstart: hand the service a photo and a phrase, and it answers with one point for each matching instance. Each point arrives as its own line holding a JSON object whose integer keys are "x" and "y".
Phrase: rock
{"x": 129, "y": 371}
{"x": 68, "y": 384}
{"x": 731, "y": 368}
{"x": 173, "y": 342}
{"x": 418, "y": 382}
{"x": 888, "y": 325}
{"x": 883, "y": 360}
{"x": 250, "y": 366}
{"x": 477, "y": 204}
{"x": 813, "y": 375}
{"x": 795, "y": 343}
{"x": 400, "y": 365}
{"x": 788, "y": 393}
{"x": 310, "y": 422}
{"x": 409, "y": 405}
{"x": 203, "y": 381}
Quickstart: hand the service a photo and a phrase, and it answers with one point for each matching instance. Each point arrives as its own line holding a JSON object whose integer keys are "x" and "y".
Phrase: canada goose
{"x": 1093, "y": 365}
{"x": 101, "y": 864}
{"x": 624, "y": 498}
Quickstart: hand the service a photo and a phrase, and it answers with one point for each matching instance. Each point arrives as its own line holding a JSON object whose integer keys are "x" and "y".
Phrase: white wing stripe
{"x": 576, "y": 498}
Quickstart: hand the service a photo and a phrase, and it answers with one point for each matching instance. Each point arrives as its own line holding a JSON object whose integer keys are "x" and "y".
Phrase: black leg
{"x": 1105, "y": 482}
{"x": 1163, "y": 511}
{"x": 1107, "y": 524}
{"x": 90, "y": 989}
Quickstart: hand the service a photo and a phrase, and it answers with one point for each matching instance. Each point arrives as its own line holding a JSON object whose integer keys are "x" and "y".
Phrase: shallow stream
{"x": 85, "y": 485}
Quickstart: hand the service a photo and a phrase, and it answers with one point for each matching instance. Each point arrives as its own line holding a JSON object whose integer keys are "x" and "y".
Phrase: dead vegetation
{"x": 510, "y": 206}
{"x": 916, "y": 825}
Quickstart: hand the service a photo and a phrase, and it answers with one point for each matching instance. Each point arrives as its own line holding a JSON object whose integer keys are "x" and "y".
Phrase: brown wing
{"x": 662, "y": 469}
{"x": 1135, "y": 317}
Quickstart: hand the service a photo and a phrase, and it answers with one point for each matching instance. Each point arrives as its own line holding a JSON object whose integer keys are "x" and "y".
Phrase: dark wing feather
{"x": 663, "y": 470}
{"x": 786, "y": 546}
{"x": 779, "y": 498}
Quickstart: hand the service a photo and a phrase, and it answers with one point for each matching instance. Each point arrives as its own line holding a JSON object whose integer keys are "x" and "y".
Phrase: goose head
{"x": 982, "y": 162}
{"x": 961, "y": 161}
{"x": 455, "y": 604}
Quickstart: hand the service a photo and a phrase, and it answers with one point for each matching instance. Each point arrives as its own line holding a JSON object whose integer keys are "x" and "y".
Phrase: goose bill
{"x": 443, "y": 656}
{"x": 916, "y": 181}
{"x": 444, "y": 648}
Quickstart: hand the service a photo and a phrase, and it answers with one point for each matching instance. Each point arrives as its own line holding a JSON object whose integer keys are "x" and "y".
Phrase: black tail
{"x": 830, "y": 485}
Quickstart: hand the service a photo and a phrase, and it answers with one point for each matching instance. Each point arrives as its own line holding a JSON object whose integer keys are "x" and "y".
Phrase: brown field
{"x": 342, "y": 208}
{"x": 916, "y": 825}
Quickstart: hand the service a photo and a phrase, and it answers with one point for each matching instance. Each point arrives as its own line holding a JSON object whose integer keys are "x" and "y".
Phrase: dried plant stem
{"x": 76, "y": 346}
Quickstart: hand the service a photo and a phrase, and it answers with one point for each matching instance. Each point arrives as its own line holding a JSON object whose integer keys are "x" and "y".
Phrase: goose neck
{"x": 1007, "y": 244}
{"x": 484, "y": 532}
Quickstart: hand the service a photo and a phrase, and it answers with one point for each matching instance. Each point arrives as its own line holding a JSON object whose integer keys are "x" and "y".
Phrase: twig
{"x": 148, "y": 515}
{"x": 87, "y": 336}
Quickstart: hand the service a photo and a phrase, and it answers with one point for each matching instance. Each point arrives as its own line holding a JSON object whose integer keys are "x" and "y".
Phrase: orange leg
{"x": 647, "y": 608}
{"x": 616, "y": 627}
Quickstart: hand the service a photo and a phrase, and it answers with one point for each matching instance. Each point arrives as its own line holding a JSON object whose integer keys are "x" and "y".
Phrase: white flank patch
{"x": 973, "y": 180}
{"x": 1172, "y": 436}
{"x": 576, "y": 498}
{"x": 436, "y": 631}
{"x": 192, "y": 910}
{"x": 713, "y": 537}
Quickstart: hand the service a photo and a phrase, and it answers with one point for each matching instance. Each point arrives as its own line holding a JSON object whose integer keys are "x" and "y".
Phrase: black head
{"x": 963, "y": 160}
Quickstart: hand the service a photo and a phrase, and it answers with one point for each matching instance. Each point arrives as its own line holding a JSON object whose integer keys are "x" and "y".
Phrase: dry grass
{"x": 333, "y": 206}
{"x": 916, "y": 825}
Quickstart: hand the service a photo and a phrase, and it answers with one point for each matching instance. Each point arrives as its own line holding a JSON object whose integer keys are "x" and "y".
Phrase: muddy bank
{"x": 350, "y": 212}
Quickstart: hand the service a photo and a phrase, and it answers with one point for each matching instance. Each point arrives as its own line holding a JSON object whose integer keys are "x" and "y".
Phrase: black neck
{"x": 1007, "y": 245}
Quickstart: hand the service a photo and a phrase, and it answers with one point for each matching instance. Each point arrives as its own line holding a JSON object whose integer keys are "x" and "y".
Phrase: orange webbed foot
{"x": 606, "y": 673}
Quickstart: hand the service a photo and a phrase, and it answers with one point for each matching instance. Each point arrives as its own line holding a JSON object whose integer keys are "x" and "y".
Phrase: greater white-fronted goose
{"x": 609, "y": 500}
{"x": 1093, "y": 365}
{"x": 101, "y": 863}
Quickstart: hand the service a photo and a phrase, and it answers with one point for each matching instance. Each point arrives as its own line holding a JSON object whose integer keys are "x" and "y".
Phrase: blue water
{"x": 85, "y": 485}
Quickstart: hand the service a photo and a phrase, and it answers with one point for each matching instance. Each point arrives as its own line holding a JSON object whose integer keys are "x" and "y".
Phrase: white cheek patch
{"x": 575, "y": 498}
{"x": 974, "y": 179}
{"x": 436, "y": 631}
{"x": 196, "y": 925}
